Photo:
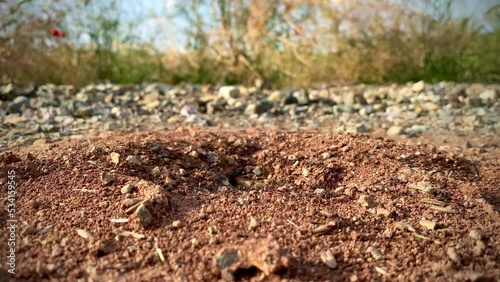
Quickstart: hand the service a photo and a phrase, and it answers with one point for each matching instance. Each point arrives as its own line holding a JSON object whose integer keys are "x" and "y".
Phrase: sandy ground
{"x": 255, "y": 206}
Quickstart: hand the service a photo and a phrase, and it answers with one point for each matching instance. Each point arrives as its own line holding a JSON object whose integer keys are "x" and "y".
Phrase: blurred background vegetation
{"x": 286, "y": 42}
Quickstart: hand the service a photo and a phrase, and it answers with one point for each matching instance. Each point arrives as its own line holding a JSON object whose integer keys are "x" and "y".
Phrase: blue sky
{"x": 154, "y": 19}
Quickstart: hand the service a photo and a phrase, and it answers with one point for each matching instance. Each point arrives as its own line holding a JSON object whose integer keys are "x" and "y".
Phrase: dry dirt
{"x": 255, "y": 206}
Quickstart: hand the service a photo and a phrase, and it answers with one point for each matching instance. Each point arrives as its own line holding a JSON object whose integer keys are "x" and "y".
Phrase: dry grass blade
{"x": 294, "y": 225}
{"x": 433, "y": 202}
{"x": 46, "y": 229}
{"x": 323, "y": 229}
{"x": 132, "y": 234}
{"x": 134, "y": 207}
{"x": 119, "y": 220}
{"x": 381, "y": 271}
{"x": 443, "y": 209}
{"x": 86, "y": 190}
{"x": 160, "y": 254}
{"x": 404, "y": 226}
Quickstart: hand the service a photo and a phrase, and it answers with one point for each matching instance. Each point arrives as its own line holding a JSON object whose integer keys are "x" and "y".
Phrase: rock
{"x": 289, "y": 100}
{"x": 128, "y": 188}
{"x": 325, "y": 155}
{"x": 475, "y": 234}
{"x": 115, "y": 157}
{"x": 302, "y": 96}
{"x": 149, "y": 189}
{"x": 328, "y": 259}
{"x": 161, "y": 88}
{"x": 474, "y": 89}
{"x": 257, "y": 171}
{"x": 348, "y": 98}
{"x": 367, "y": 201}
{"x": 468, "y": 144}
{"x": 253, "y": 224}
{"x": 422, "y": 186}
{"x": 366, "y": 111}
{"x": 130, "y": 202}
{"x": 194, "y": 119}
{"x": 473, "y": 102}
{"x": 147, "y": 246}
{"x": 156, "y": 171}
{"x": 395, "y": 130}
{"x": 133, "y": 160}
{"x": 404, "y": 226}
{"x": 18, "y": 105}
{"x": 84, "y": 233}
{"x": 267, "y": 255}
{"x": 489, "y": 96}
{"x": 262, "y": 84}
{"x": 320, "y": 192}
{"x": 56, "y": 251}
{"x": 176, "y": 223}
{"x": 5, "y": 90}
{"x": 83, "y": 112}
{"x": 471, "y": 276}
{"x": 479, "y": 248}
{"x": 143, "y": 215}
{"x": 107, "y": 179}
{"x": 276, "y": 96}
{"x": 227, "y": 259}
{"x": 151, "y": 100}
{"x": 189, "y": 110}
{"x": 229, "y": 92}
{"x": 212, "y": 157}
{"x": 384, "y": 213}
{"x": 429, "y": 224}
{"x": 454, "y": 95}
{"x": 453, "y": 255}
{"x": 416, "y": 129}
{"x": 258, "y": 108}
{"x": 432, "y": 107}
{"x": 35, "y": 204}
{"x": 376, "y": 254}
{"x": 418, "y": 87}
{"x": 362, "y": 128}
{"x": 305, "y": 172}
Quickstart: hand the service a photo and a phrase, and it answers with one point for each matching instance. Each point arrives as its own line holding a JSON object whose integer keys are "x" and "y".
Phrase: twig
{"x": 292, "y": 25}
{"x": 294, "y": 50}
{"x": 86, "y": 190}
{"x": 291, "y": 222}
{"x": 132, "y": 208}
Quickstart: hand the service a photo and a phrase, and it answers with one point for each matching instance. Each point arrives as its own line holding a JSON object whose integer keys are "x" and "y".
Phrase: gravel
{"x": 52, "y": 112}
{"x": 352, "y": 206}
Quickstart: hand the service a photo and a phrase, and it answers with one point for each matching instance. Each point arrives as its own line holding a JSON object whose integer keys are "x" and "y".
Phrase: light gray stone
{"x": 18, "y": 105}
{"x": 229, "y": 92}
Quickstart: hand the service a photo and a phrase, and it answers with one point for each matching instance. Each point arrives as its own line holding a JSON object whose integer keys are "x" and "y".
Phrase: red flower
{"x": 57, "y": 32}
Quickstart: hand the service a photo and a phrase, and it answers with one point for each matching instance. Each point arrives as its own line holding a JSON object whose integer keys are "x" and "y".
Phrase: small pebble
{"x": 479, "y": 248}
{"x": 134, "y": 160}
{"x": 257, "y": 171}
{"x": 429, "y": 224}
{"x": 376, "y": 254}
{"x": 367, "y": 201}
{"x": 144, "y": 216}
{"x": 475, "y": 234}
{"x": 127, "y": 189}
{"x": 453, "y": 255}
